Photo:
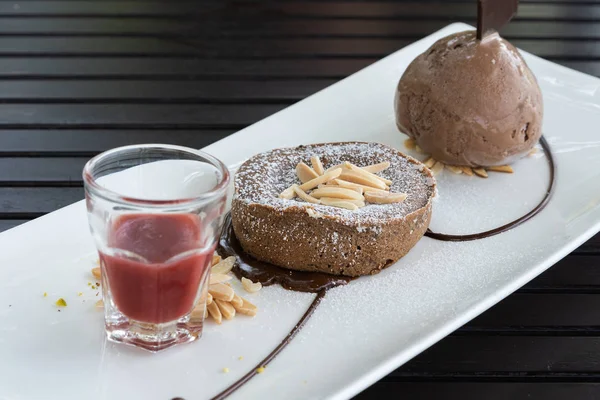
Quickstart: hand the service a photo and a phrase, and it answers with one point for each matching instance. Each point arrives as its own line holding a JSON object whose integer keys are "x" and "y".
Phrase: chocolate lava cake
{"x": 300, "y": 235}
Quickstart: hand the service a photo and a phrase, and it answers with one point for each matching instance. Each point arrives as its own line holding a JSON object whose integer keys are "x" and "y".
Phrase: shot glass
{"x": 155, "y": 213}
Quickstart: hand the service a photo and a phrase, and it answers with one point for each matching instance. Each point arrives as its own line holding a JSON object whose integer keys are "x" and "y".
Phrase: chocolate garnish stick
{"x": 492, "y": 15}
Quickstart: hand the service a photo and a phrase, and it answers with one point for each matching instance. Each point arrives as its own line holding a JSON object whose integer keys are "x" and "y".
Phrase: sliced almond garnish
{"x": 356, "y": 169}
{"x": 329, "y": 200}
{"x": 237, "y": 301}
{"x": 362, "y": 179}
{"x": 410, "y": 144}
{"x": 198, "y": 312}
{"x": 100, "y": 303}
{"x": 224, "y": 266}
{"x": 341, "y": 204}
{"x": 419, "y": 149}
{"x": 218, "y": 278}
{"x": 342, "y": 165}
{"x": 246, "y": 308}
{"x": 467, "y": 171}
{"x": 216, "y": 259}
{"x": 352, "y": 185}
{"x": 317, "y": 165}
{"x": 437, "y": 168}
{"x": 287, "y": 193}
{"x": 226, "y": 309}
{"x": 304, "y": 196}
{"x": 251, "y": 287}
{"x": 532, "y": 151}
{"x": 220, "y": 291}
{"x": 456, "y": 170}
{"x": 375, "y": 168}
{"x": 97, "y": 272}
{"x": 213, "y": 311}
{"x": 337, "y": 192}
{"x": 501, "y": 168}
{"x": 209, "y": 298}
{"x": 326, "y": 177}
{"x": 430, "y": 162}
{"x": 305, "y": 173}
{"x": 480, "y": 172}
{"x": 385, "y": 198}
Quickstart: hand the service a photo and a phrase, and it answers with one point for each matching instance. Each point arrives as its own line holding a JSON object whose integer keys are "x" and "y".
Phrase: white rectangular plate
{"x": 360, "y": 332}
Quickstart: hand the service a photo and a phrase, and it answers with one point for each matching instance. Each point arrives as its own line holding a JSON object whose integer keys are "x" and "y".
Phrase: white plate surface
{"x": 360, "y": 332}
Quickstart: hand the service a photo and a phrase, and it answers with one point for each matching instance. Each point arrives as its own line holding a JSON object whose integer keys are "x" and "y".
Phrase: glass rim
{"x": 96, "y": 189}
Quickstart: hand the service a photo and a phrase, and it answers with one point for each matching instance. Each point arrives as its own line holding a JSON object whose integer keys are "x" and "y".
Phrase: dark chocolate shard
{"x": 492, "y": 15}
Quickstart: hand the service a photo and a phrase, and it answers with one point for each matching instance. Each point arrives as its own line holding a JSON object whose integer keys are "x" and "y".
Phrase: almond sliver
{"x": 216, "y": 259}
{"x": 339, "y": 193}
{"x": 410, "y": 144}
{"x": 328, "y": 200}
{"x": 437, "y": 168}
{"x": 326, "y": 177}
{"x": 501, "y": 168}
{"x": 456, "y": 170}
{"x": 480, "y": 172}
{"x": 224, "y": 266}
{"x": 213, "y": 311}
{"x": 305, "y": 173}
{"x": 361, "y": 171}
{"x": 387, "y": 198}
{"x": 97, "y": 272}
{"x": 467, "y": 171}
{"x": 341, "y": 204}
{"x": 237, "y": 301}
{"x": 352, "y": 185}
{"x": 246, "y": 308}
{"x": 317, "y": 165}
{"x": 251, "y": 287}
{"x": 220, "y": 291}
{"x": 227, "y": 310}
{"x": 375, "y": 168}
{"x": 209, "y": 298}
{"x": 362, "y": 179}
{"x": 430, "y": 162}
{"x": 304, "y": 196}
{"x": 287, "y": 193}
{"x": 218, "y": 278}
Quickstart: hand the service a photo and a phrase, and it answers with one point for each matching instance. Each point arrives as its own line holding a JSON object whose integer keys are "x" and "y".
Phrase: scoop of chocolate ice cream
{"x": 469, "y": 102}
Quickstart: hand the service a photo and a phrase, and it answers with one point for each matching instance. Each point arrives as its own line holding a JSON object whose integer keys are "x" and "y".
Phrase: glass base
{"x": 153, "y": 337}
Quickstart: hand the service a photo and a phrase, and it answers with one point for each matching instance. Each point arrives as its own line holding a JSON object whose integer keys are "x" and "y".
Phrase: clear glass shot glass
{"x": 155, "y": 213}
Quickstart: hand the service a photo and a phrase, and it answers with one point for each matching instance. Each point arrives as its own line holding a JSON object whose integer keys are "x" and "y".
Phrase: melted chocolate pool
{"x": 269, "y": 274}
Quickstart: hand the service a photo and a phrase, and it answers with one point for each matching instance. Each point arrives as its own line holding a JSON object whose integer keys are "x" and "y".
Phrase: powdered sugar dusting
{"x": 262, "y": 178}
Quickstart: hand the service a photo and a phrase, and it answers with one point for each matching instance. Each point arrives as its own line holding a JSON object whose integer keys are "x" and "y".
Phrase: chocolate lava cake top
{"x": 263, "y": 177}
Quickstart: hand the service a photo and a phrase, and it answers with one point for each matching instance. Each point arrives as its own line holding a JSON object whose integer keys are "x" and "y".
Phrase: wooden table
{"x": 78, "y": 77}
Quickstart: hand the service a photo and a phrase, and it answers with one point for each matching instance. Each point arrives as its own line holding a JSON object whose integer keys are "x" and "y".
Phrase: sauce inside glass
{"x": 148, "y": 281}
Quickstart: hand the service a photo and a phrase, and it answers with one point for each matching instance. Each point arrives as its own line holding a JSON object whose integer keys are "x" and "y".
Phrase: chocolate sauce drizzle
{"x": 236, "y": 385}
{"x": 319, "y": 283}
{"x": 516, "y": 222}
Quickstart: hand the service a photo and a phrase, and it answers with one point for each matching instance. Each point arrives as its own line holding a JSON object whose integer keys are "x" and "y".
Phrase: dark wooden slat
{"x": 256, "y": 48}
{"x": 506, "y": 354}
{"x": 479, "y": 391}
{"x": 6, "y": 224}
{"x": 166, "y": 68}
{"x": 79, "y": 115}
{"x": 148, "y": 91}
{"x": 90, "y": 142}
{"x": 169, "y": 69}
{"x": 36, "y": 171}
{"x": 591, "y": 246}
{"x": 540, "y": 310}
{"x": 407, "y": 10}
{"x": 22, "y": 203}
{"x": 154, "y": 27}
{"x": 570, "y": 272}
